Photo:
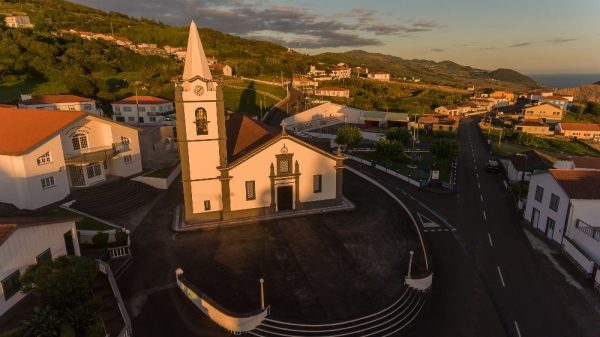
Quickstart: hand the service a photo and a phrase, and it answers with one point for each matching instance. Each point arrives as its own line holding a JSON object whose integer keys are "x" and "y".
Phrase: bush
{"x": 444, "y": 148}
{"x": 100, "y": 240}
{"x": 400, "y": 134}
{"x": 121, "y": 237}
{"x": 348, "y": 135}
{"x": 389, "y": 149}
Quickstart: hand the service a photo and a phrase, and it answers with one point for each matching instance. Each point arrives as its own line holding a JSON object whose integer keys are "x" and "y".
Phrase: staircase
{"x": 387, "y": 322}
{"x": 115, "y": 200}
{"x": 109, "y": 311}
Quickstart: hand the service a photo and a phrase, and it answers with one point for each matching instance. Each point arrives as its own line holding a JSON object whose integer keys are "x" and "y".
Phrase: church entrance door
{"x": 285, "y": 199}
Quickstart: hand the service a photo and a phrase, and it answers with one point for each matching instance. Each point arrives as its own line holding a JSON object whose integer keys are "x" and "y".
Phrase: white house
{"x": 26, "y": 241}
{"x": 549, "y": 113}
{"x": 579, "y": 130}
{"x": 340, "y": 71}
{"x": 221, "y": 68}
{"x": 60, "y": 102}
{"x": 579, "y": 162}
{"x": 453, "y": 109}
{"x": 43, "y": 154}
{"x": 526, "y": 163}
{"x": 332, "y": 92}
{"x": 380, "y": 76}
{"x": 236, "y": 167}
{"x": 141, "y": 109}
{"x": 565, "y": 206}
{"x": 18, "y": 21}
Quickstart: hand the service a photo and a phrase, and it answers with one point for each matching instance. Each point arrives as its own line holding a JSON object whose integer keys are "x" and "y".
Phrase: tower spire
{"x": 196, "y": 63}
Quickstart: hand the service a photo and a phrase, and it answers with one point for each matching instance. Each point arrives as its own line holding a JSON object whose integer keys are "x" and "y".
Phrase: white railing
{"x": 117, "y": 252}
{"x": 573, "y": 253}
{"x": 104, "y": 268}
{"x": 386, "y": 170}
{"x": 236, "y": 323}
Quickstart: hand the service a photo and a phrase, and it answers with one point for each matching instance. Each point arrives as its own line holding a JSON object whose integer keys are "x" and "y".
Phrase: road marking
{"x": 484, "y": 216}
{"x": 426, "y": 222}
{"x": 476, "y": 174}
{"x": 478, "y": 185}
{"x": 518, "y": 330}
{"x": 481, "y": 197}
{"x": 501, "y": 278}
{"x": 490, "y": 238}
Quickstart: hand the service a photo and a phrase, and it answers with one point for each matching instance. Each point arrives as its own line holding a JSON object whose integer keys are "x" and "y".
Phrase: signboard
{"x": 435, "y": 175}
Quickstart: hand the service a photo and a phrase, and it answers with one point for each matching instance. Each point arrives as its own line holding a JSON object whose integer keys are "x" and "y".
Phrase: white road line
{"x": 481, "y": 197}
{"x": 501, "y": 278}
{"x": 478, "y": 185}
{"x": 484, "y": 216}
{"x": 490, "y": 238}
{"x": 518, "y": 330}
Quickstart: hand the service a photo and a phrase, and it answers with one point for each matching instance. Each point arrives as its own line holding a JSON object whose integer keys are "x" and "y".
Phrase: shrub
{"x": 348, "y": 135}
{"x": 400, "y": 134}
{"x": 389, "y": 149}
{"x": 444, "y": 148}
{"x": 121, "y": 237}
{"x": 100, "y": 240}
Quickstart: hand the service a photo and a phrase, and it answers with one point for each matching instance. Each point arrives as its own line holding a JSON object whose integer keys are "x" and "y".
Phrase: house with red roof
{"x": 142, "y": 110}
{"x": 564, "y": 205}
{"x": 379, "y": 75}
{"x": 60, "y": 102}
{"x": 333, "y": 92}
{"x": 579, "y": 130}
{"x": 44, "y": 154}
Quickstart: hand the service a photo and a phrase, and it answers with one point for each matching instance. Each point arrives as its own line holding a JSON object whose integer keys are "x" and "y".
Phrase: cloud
{"x": 521, "y": 44}
{"x": 265, "y": 20}
{"x": 559, "y": 40}
{"x": 438, "y": 50}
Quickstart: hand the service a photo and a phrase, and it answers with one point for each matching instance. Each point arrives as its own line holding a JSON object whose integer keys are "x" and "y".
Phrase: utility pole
{"x": 112, "y": 33}
{"x": 500, "y": 137}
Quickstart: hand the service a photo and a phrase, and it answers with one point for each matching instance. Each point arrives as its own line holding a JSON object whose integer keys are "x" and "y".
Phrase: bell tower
{"x": 200, "y": 115}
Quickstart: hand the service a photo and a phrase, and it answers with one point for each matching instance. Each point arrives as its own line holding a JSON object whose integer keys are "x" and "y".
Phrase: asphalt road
{"x": 293, "y": 106}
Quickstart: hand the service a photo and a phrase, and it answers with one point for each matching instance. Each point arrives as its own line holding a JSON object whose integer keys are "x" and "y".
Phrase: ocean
{"x": 565, "y": 80}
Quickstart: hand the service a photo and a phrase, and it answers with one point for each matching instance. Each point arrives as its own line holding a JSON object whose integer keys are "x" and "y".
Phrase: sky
{"x": 530, "y": 36}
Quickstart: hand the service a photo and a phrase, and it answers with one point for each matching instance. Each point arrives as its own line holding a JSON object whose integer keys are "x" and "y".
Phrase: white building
{"x": 236, "y": 167}
{"x": 578, "y": 130}
{"x": 221, "y": 69}
{"x": 340, "y": 71}
{"x": 380, "y": 76}
{"x": 332, "y": 92}
{"x": 18, "y": 21}
{"x": 26, "y": 241}
{"x": 60, "y": 102}
{"x": 43, "y": 154}
{"x": 141, "y": 109}
{"x": 565, "y": 206}
{"x": 526, "y": 163}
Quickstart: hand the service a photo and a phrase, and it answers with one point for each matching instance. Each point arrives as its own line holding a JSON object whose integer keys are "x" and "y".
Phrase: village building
{"x": 520, "y": 166}
{"x": 25, "y": 241}
{"x": 304, "y": 82}
{"x": 60, "y": 102}
{"x": 44, "y": 154}
{"x": 384, "y": 119}
{"x": 221, "y": 69}
{"x": 534, "y": 127}
{"x": 340, "y": 71}
{"x": 557, "y": 101}
{"x": 380, "y": 76}
{"x": 563, "y": 205}
{"x": 314, "y": 72}
{"x": 546, "y": 112}
{"x": 142, "y": 109}
{"x": 333, "y": 92}
{"x": 578, "y": 130}
{"x": 453, "y": 109}
{"x": 579, "y": 163}
{"x": 18, "y": 21}
{"x": 236, "y": 167}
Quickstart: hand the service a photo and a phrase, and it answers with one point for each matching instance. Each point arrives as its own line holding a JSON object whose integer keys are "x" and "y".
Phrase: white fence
{"x": 580, "y": 260}
{"x": 230, "y": 321}
{"x": 160, "y": 183}
{"x": 104, "y": 268}
{"x": 386, "y": 170}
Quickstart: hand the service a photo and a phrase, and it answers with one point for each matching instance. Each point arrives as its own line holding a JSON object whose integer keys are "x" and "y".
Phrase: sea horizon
{"x": 565, "y": 80}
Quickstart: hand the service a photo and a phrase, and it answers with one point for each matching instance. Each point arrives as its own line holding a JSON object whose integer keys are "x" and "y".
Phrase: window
{"x": 127, "y": 159}
{"x": 87, "y": 107}
{"x": 201, "y": 122}
{"x": 160, "y": 108}
{"x": 117, "y": 108}
{"x": 207, "y": 205}
{"x": 554, "y": 200}
{"x": 80, "y": 141}
{"x": 47, "y": 182}
{"x": 152, "y": 119}
{"x": 250, "y": 190}
{"x": 46, "y": 256}
{"x": 284, "y": 165}
{"x": 539, "y": 193}
{"x": 550, "y": 223}
{"x": 317, "y": 183}
{"x": 127, "y": 109}
{"x": 152, "y": 109}
{"x": 11, "y": 285}
{"x": 142, "y": 109}
{"x": 93, "y": 170}
{"x": 131, "y": 119}
{"x": 46, "y": 158}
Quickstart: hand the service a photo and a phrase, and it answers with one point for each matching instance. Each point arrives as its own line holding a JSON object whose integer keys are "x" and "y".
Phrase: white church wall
{"x": 204, "y": 190}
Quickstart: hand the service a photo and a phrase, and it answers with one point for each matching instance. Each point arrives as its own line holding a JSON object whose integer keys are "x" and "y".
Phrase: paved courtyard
{"x": 317, "y": 268}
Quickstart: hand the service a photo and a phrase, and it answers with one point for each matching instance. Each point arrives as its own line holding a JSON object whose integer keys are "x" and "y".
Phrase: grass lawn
{"x": 246, "y": 101}
{"x": 274, "y": 90}
{"x": 422, "y": 170}
{"x": 85, "y": 224}
{"x": 11, "y": 91}
{"x": 161, "y": 172}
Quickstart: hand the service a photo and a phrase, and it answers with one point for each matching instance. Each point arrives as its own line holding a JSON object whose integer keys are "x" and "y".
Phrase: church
{"x": 235, "y": 167}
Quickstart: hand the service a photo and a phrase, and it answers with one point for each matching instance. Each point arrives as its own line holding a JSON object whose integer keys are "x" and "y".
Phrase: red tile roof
{"x": 6, "y": 230}
{"x": 142, "y": 100}
{"x": 55, "y": 99}
{"x": 332, "y": 89}
{"x": 532, "y": 123}
{"x": 531, "y": 160}
{"x": 586, "y": 162}
{"x": 580, "y": 127}
{"x": 245, "y": 134}
{"x": 578, "y": 184}
{"x": 23, "y": 129}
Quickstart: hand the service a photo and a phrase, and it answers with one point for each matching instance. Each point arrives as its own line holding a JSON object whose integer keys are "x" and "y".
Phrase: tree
{"x": 348, "y": 135}
{"x": 400, "y": 134}
{"x": 44, "y": 322}
{"x": 389, "y": 149}
{"x": 444, "y": 148}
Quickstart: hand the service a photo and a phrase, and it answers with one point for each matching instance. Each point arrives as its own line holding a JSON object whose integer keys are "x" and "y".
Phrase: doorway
{"x": 285, "y": 201}
{"x": 550, "y": 223}
{"x": 535, "y": 217}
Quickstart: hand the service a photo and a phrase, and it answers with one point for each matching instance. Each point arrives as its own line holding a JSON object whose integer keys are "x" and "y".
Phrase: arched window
{"x": 201, "y": 122}
{"x": 79, "y": 141}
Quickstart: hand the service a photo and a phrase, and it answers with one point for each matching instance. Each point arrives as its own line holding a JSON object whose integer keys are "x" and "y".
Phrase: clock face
{"x": 199, "y": 90}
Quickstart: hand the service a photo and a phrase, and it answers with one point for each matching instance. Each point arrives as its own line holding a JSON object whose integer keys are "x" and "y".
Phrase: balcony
{"x": 96, "y": 154}
{"x": 591, "y": 231}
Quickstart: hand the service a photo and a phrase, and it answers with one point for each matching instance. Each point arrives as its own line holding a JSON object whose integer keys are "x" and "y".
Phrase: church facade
{"x": 234, "y": 166}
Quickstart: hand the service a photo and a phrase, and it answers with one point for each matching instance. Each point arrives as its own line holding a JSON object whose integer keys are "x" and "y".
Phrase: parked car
{"x": 493, "y": 166}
